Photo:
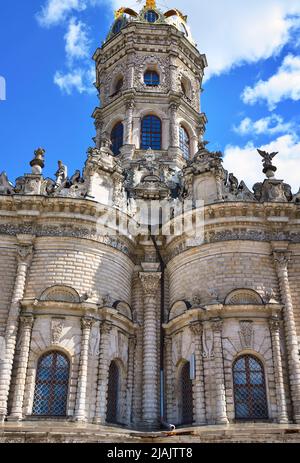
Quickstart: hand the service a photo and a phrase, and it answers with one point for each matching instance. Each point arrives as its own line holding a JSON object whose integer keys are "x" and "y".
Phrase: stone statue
{"x": 269, "y": 169}
{"x": 233, "y": 182}
{"x": 6, "y": 187}
{"x": 61, "y": 174}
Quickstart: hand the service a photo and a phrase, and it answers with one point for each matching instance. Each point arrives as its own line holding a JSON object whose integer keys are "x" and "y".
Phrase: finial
{"x": 37, "y": 164}
{"x": 268, "y": 169}
{"x": 151, "y": 4}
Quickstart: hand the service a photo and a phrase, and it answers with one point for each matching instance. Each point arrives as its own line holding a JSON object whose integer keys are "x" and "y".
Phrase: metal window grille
{"x": 151, "y": 16}
{"x": 151, "y": 133}
{"x": 117, "y": 135}
{"x": 184, "y": 142}
{"x": 151, "y": 78}
{"x": 51, "y": 387}
{"x": 249, "y": 389}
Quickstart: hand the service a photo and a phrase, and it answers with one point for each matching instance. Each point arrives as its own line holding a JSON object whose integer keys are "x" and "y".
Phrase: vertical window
{"x": 51, "y": 387}
{"x": 117, "y": 135}
{"x": 151, "y": 16}
{"x": 151, "y": 133}
{"x": 249, "y": 389}
{"x": 119, "y": 85}
{"x": 151, "y": 79}
{"x": 186, "y": 390}
{"x": 184, "y": 142}
{"x": 113, "y": 393}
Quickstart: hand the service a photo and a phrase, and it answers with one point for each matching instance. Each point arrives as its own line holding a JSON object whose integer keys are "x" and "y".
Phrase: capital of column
{"x": 105, "y": 327}
{"x": 282, "y": 258}
{"x": 132, "y": 342}
{"x": 150, "y": 282}
{"x": 196, "y": 328}
{"x": 174, "y": 107}
{"x": 274, "y": 324}
{"x": 217, "y": 325}
{"x": 24, "y": 253}
{"x": 86, "y": 323}
{"x": 130, "y": 105}
{"x": 26, "y": 321}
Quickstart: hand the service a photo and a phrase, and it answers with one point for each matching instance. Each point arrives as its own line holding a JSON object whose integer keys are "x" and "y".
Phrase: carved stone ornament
{"x": 57, "y": 326}
{"x": 282, "y": 258}
{"x": 196, "y": 328}
{"x": 150, "y": 282}
{"x": 274, "y": 324}
{"x": 24, "y": 253}
{"x": 246, "y": 334}
{"x": 207, "y": 343}
{"x": 94, "y": 348}
{"x": 86, "y": 323}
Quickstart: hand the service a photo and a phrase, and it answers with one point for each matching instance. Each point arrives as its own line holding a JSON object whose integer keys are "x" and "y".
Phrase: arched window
{"x": 186, "y": 393}
{"x": 249, "y": 389}
{"x": 151, "y": 16}
{"x": 113, "y": 393}
{"x": 116, "y": 137}
{"x": 184, "y": 142}
{"x": 51, "y": 385}
{"x": 117, "y": 26}
{"x": 151, "y": 79}
{"x": 151, "y": 133}
{"x": 119, "y": 85}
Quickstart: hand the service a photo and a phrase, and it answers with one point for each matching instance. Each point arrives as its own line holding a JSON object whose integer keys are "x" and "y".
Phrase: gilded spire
{"x": 151, "y": 4}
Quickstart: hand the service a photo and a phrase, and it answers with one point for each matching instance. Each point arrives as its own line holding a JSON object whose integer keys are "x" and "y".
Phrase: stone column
{"x": 103, "y": 370}
{"x": 99, "y": 126}
{"x": 174, "y": 129}
{"x": 26, "y": 324}
{"x": 281, "y": 260}
{"x": 129, "y": 122}
{"x": 198, "y": 383}
{"x": 80, "y": 409}
{"x": 277, "y": 361}
{"x": 169, "y": 380}
{"x": 24, "y": 258}
{"x": 150, "y": 282}
{"x": 130, "y": 379}
{"x": 221, "y": 415}
{"x": 194, "y": 146}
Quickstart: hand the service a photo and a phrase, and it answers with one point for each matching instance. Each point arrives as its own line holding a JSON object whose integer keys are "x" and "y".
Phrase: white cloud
{"x": 77, "y": 41}
{"x": 79, "y": 79}
{"x": 234, "y": 32}
{"x": 246, "y": 163}
{"x": 270, "y": 125}
{"x": 56, "y": 11}
{"x": 285, "y": 84}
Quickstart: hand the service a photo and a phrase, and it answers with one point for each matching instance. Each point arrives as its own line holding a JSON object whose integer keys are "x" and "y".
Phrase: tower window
{"x": 184, "y": 142}
{"x": 51, "y": 387}
{"x": 113, "y": 393}
{"x": 151, "y": 16}
{"x": 151, "y": 133}
{"x": 249, "y": 389}
{"x": 151, "y": 79}
{"x": 186, "y": 390}
{"x": 117, "y": 26}
{"x": 116, "y": 137}
{"x": 119, "y": 85}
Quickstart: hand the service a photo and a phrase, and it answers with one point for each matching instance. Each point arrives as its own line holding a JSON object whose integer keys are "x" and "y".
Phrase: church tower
{"x": 149, "y": 75}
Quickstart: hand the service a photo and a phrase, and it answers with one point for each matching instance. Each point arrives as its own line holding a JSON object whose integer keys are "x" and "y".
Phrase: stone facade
{"x": 127, "y": 312}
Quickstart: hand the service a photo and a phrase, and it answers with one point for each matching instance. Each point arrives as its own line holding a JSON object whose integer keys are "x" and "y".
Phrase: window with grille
{"x": 117, "y": 135}
{"x": 51, "y": 386}
{"x": 113, "y": 393}
{"x": 119, "y": 85}
{"x": 249, "y": 389}
{"x": 151, "y": 79}
{"x": 184, "y": 142}
{"x": 117, "y": 26}
{"x": 151, "y": 16}
{"x": 186, "y": 387}
{"x": 151, "y": 133}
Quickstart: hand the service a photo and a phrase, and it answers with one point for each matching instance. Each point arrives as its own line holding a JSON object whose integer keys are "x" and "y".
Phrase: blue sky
{"x": 251, "y": 91}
